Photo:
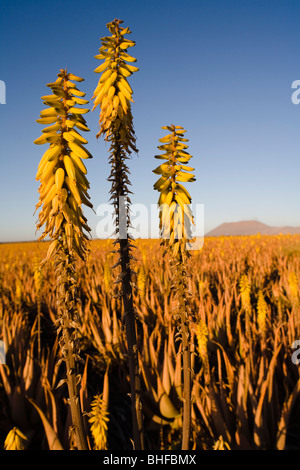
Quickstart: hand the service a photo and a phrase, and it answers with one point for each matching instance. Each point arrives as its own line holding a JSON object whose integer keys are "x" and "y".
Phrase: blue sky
{"x": 221, "y": 69}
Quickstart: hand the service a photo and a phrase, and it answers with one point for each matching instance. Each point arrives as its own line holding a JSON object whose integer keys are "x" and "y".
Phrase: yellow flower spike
{"x": 99, "y": 422}
{"x": 57, "y": 166}
{"x": 172, "y": 173}
{"x": 294, "y": 290}
{"x": 262, "y": 311}
{"x": 202, "y": 334}
{"x": 15, "y": 440}
{"x": 245, "y": 291}
{"x": 112, "y": 86}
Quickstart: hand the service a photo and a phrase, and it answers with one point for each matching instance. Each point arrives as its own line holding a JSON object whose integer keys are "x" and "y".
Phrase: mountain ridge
{"x": 250, "y": 227}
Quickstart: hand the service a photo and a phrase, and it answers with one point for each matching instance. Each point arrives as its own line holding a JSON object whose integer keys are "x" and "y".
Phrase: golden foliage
{"x": 249, "y": 399}
{"x": 15, "y": 440}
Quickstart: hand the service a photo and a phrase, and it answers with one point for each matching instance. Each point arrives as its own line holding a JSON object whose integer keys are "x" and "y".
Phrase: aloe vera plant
{"x": 114, "y": 96}
{"x": 63, "y": 190}
{"x": 175, "y": 221}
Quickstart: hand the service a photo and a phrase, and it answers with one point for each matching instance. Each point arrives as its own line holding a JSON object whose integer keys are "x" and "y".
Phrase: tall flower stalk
{"x": 114, "y": 96}
{"x": 175, "y": 228}
{"x": 38, "y": 281}
{"x": 63, "y": 190}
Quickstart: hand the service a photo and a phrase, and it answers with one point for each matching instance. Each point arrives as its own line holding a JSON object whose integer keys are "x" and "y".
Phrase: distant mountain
{"x": 249, "y": 227}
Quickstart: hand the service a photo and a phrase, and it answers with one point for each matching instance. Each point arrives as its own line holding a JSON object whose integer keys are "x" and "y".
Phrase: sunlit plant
{"x": 63, "y": 190}
{"x": 175, "y": 227}
{"x": 114, "y": 96}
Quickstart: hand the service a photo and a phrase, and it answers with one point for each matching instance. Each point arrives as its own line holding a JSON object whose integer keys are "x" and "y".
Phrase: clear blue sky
{"x": 222, "y": 69}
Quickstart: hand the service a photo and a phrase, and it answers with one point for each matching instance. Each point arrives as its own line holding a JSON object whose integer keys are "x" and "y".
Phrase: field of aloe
{"x": 245, "y": 317}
